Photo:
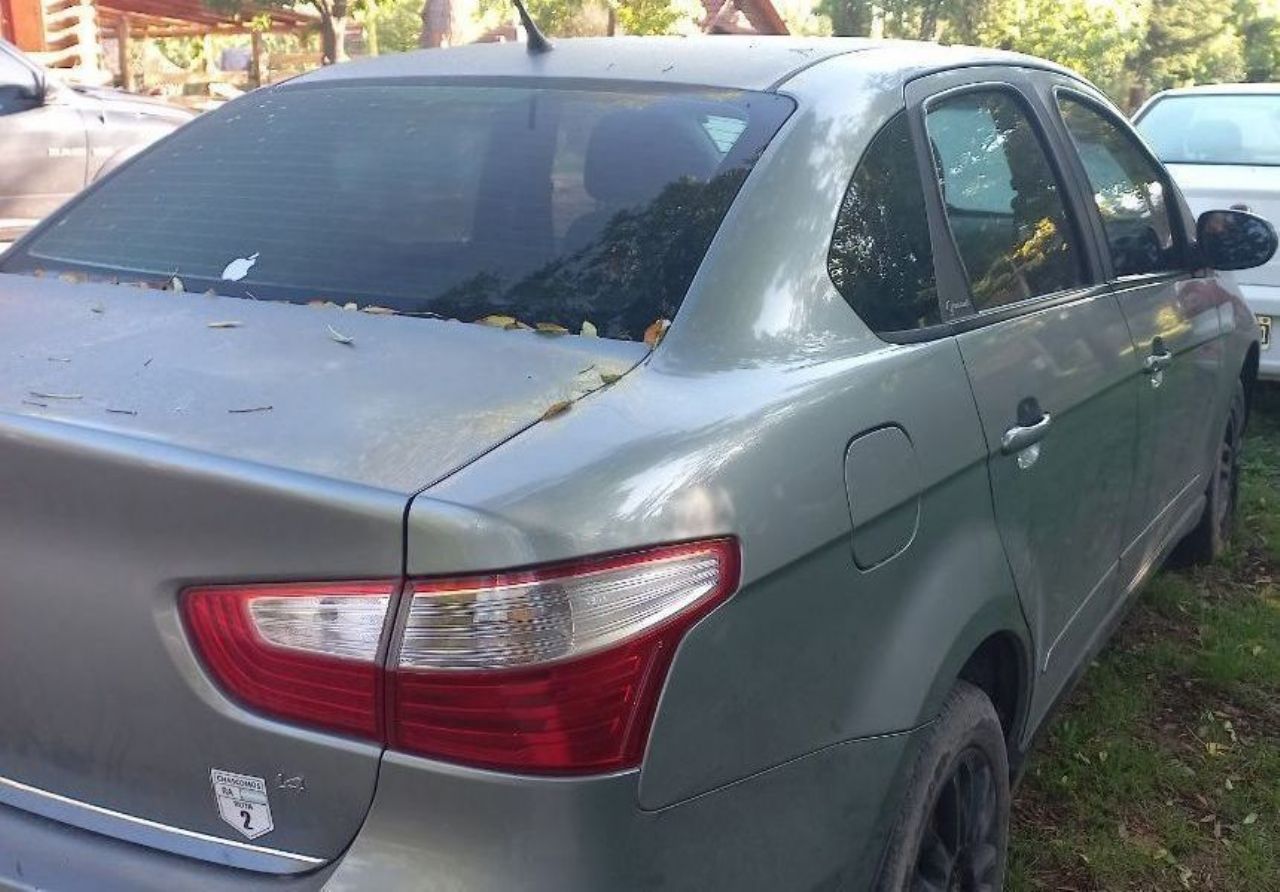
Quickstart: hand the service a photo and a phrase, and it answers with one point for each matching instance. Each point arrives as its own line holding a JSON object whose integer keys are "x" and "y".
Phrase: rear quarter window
{"x": 881, "y": 259}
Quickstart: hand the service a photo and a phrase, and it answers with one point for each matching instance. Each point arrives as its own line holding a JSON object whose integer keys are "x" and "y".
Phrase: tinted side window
{"x": 1003, "y": 202}
{"x": 16, "y": 82}
{"x": 1128, "y": 189}
{"x": 881, "y": 259}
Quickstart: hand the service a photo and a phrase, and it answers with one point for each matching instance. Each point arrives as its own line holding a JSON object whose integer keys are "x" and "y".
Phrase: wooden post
{"x": 27, "y": 25}
{"x": 255, "y": 63}
{"x": 122, "y": 53}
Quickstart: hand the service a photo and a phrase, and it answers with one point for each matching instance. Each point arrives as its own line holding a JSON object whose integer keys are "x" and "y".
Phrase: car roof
{"x": 1221, "y": 90}
{"x": 721, "y": 61}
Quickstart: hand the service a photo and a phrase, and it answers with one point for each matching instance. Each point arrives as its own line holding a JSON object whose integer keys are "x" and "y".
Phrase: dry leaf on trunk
{"x": 654, "y": 333}
{"x": 556, "y": 409}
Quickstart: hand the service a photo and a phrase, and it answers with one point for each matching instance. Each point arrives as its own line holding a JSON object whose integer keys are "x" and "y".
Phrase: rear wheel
{"x": 1210, "y": 537}
{"x": 953, "y": 832}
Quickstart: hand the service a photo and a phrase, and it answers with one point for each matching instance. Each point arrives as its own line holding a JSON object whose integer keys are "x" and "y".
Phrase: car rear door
{"x": 1172, "y": 316}
{"x": 42, "y": 148}
{"x": 1045, "y": 346}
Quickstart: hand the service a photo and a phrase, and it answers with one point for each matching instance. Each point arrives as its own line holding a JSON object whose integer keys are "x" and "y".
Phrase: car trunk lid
{"x": 143, "y": 451}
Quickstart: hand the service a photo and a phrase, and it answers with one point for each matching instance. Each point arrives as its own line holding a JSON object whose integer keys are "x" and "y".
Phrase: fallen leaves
{"x": 550, "y": 328}
{"x": 654, "y": 334}
{"x": 248, "y": 409}
{"x": 339, "y": 336}
{"x": 224, "y": 323}
{"x": 558, "y": 408}
{"x": 42, "y": 395}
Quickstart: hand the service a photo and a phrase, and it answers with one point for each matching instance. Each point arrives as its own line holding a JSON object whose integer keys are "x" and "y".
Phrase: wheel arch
{"x": 994, "y": 653}
{"x": 1249, "y": 376}
{"x": 1001, "y": 668}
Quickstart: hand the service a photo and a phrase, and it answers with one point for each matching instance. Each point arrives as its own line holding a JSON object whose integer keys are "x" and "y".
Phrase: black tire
{"x": 1209, "y": 539}
{"x": 953, "y": 831}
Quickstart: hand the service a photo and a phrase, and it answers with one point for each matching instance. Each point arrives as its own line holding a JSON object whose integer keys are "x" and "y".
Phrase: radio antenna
{"x": 536, "y": 41}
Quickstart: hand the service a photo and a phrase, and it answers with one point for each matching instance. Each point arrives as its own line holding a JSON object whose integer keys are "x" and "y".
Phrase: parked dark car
{"x": 647, "y": 464}
{"x": 55, "y": 138}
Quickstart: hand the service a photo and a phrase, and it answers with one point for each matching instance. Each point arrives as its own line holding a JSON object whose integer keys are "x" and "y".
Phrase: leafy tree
{"x": 1260, "y": 35}
{"x": 1188, "y": 42}
{"x": 647, "y": 16}
{"x": 333, "y": 21}
{"x": 1080, "y": 34}
{"x": 849, "y": 18}
{"x": 399, "y": 25}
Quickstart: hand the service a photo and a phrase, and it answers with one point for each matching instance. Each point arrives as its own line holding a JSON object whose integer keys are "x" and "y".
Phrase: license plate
{"x": 1264, "y": 323}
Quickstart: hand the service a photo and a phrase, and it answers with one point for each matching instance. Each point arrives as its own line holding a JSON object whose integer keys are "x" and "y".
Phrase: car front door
{"x": 1046, "y": 349}
{"x": 1173, "y": 321}
{"x": 42, "y": 147}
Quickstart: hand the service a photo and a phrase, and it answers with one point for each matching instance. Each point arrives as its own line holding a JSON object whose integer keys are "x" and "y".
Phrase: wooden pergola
{"x": 130, "y": 19}
{"x": 65, "y": 32}
{"x": 191, "y": 18}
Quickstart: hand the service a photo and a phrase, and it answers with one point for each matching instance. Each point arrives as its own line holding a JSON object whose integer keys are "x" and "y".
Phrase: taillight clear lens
{"x": 307, "y": 652}
{"x": 556, "y": 669}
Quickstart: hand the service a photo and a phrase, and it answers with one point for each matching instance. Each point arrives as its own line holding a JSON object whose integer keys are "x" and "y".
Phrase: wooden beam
{"x": 27, "y": 25}
{"x": 123, "y": 35}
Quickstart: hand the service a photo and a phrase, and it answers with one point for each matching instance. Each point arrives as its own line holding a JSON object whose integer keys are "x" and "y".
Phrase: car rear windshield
{"x": 1214, "y": 129}
{"x": 548, "y": 205}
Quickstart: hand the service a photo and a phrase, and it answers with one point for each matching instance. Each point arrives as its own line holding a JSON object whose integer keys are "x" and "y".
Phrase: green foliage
{"x": 399, "y": 24}
{"x": 1080, "y": 34}
{"x": 1190, "y": 42}
{"x": 849, "y": 18}
{"x": 647, "y": 16}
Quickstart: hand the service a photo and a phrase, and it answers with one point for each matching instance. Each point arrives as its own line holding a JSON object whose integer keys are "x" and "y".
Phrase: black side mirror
{"x": 1235, "y": 239}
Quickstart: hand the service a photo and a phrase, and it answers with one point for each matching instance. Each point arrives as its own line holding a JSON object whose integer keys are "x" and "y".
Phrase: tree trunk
{"x": 333, "y": 34}
{"x": 371, "y": 31}
{"x": 929, "y": 21}
{"x": 437, "y": 23}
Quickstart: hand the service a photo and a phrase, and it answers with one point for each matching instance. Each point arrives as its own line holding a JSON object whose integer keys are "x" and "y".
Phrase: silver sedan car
{"x": 1221, "y": 143}
{"x": 630, "y": 465}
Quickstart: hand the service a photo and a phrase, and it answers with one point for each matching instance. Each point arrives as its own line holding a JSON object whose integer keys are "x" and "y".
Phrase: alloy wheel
{"x": 960, "y": 848}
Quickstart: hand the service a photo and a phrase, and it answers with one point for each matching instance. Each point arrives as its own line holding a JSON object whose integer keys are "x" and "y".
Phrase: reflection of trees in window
{"x": 636, "y": 271}
{"x": 1127, "y": 191}
{"x": 880, "y": 257}
{"x": 1003, "y": 203}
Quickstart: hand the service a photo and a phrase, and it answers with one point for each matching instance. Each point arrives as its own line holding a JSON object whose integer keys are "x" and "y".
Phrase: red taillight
{"x": 556, "y": 669}
{"x": 307, "y": 652}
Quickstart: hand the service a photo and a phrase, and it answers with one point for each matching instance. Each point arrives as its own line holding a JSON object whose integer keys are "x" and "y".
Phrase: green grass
{"x": 1163, "y": 770}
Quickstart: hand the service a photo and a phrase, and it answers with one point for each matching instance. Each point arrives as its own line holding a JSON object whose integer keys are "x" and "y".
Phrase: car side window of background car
{"x": 1002, "y": 199}
{"x": 17, "y": 83}
{"x": 881, "y": 259}
{"x": 1128, "y": 189}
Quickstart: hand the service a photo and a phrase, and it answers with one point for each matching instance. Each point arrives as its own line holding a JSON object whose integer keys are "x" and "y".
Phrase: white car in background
{"x": 1221, "y": 143}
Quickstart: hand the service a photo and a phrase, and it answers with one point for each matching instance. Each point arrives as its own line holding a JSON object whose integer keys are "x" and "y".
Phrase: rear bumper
{"x": 1264, "y": 300}
{"x": 819, "y": 821}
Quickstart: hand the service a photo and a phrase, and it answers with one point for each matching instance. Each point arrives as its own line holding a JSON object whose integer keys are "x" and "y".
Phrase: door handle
{"x": 1160, "y": 357}
{"x": 1033, "y": 424}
